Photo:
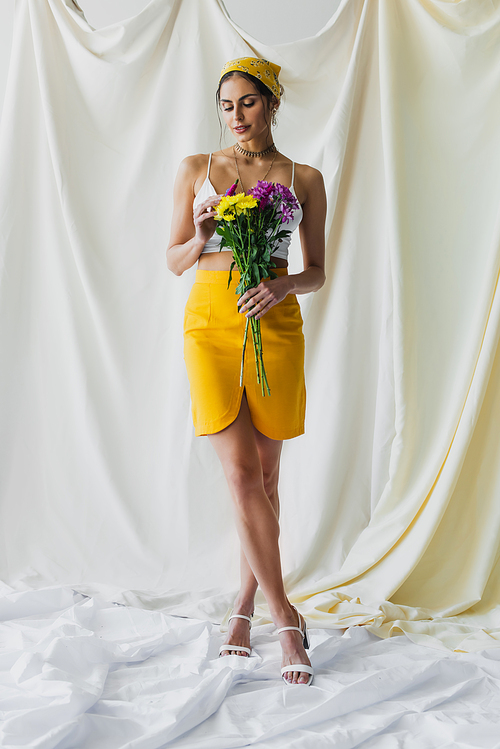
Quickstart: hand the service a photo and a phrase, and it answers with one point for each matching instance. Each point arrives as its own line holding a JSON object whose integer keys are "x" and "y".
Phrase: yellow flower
{"x": 225, "y": 208}
{"x": 230, "y": 205}
{"x": 245, "y": 203}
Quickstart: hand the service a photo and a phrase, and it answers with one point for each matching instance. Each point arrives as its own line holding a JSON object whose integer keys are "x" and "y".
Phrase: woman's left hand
{"x": 257, "y": 301}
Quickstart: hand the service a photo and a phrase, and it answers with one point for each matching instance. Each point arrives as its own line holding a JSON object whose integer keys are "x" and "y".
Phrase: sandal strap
{"x": 294, "y": 629}
{"x": 286, "y": 629}
{"x": 240, "y": 616}
{"x": 298, "y": 667}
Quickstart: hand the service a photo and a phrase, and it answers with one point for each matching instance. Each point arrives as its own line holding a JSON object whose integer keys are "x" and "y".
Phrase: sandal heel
{"x": 305, "y": 641}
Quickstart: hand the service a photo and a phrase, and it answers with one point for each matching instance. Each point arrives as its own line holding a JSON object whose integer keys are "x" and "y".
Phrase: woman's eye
{"x": 245, "y": 104}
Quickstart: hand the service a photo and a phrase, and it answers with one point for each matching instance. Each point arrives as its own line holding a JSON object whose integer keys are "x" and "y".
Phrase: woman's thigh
{"x": 241, "y": 448}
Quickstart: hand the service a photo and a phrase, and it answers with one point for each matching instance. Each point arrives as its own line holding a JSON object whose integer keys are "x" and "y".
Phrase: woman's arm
{"x": 256, "y": 302}
{"x": 190, "y": 231}
{"x": 312, "y": 233}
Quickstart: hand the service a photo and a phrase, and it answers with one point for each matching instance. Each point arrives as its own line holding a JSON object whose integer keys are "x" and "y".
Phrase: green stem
{"x": 262, "y": 368}
{"x": 255, "y": 347}
{"x": 243, "y": 353}
{"x": 243, "y": 261}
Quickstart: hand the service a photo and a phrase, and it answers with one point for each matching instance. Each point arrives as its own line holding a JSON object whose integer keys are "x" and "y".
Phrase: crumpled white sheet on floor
{"x": 82, "y": 673}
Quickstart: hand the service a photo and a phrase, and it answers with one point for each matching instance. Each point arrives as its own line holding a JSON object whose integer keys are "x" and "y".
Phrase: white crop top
{"x": 213, "y": 244}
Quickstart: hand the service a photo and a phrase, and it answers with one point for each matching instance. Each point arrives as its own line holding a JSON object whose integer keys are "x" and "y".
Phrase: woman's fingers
{"x": 255, "y": 293}
{"x": 247, "y": 299}
{"x": 260, "y": 309}
{"x": 207, "y": 207}
{"x": 205, "y": 211}
{"x": 257, "y": 301}
{"x": 199, "y": 219}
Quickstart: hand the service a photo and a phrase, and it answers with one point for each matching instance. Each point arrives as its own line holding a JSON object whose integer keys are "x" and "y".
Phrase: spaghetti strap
{"x": 293, "y": 173}
{"x": 209, "y": 161}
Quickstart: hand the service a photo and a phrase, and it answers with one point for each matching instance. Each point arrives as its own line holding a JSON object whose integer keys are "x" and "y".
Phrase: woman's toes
{"x": 296, "y": 677}
{"x": 230, "y": 651}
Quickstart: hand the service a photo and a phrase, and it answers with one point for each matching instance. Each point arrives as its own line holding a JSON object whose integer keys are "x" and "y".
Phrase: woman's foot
{"x": 238, "y": 634}
{"x": 293, "y": 648}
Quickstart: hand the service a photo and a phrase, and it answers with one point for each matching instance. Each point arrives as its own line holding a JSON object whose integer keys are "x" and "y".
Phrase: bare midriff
{"x": 222, "y": 261}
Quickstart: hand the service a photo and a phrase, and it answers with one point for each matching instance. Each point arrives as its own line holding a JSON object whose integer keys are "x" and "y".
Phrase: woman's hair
{"x": 264, "y": 91}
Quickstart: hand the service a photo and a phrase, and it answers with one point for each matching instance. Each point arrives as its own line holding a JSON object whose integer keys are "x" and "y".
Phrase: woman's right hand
{"x": 203, "y": 218}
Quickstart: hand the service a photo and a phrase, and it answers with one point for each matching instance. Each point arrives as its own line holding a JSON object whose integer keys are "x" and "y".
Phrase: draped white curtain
{"x": 390, "y": 501}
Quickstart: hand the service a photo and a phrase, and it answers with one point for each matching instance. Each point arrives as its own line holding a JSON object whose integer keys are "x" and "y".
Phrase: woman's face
{"x": 245, "y": 110}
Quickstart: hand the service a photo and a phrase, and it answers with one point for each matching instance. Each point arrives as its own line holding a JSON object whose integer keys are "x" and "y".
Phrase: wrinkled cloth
{"x": 81, "y": 673}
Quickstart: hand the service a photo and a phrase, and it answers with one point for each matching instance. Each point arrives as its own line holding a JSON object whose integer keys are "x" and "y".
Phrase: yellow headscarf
{"x": 265, "y": 71}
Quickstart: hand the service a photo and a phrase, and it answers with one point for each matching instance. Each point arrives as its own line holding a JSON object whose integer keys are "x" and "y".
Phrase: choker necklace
{"x": 253, "y": 154}
{"x": 238, "y": 171}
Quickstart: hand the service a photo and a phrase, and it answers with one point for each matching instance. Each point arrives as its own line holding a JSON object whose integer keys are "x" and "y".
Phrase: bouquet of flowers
{"x": 251, "y": 225}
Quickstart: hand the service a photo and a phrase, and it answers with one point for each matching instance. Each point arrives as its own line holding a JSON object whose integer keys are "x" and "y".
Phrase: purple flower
{"x": 263, "y": 192}
{"x": 287, "y": 197}
{"x": 232, "y": 189}
{"x": 286, "y": 213}
{"x": 262, "y": 189}
{"x": 277, "y": 194}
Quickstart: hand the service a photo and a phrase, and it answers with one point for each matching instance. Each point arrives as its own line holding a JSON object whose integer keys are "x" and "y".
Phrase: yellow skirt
{"x": 213, "y": 343}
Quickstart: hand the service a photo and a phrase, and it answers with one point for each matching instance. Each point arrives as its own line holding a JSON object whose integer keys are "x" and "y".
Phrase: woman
{"x": 245, "y": 428}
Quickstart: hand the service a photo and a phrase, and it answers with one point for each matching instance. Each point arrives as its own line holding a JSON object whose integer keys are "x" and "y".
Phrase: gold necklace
{"x": 253, "y": 154}
{"x": 238, "y": 171}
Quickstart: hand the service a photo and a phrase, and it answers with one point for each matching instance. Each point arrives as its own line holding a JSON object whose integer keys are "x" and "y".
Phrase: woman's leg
{"x": 258, "y": 527}
{"x": 269, "y": 451}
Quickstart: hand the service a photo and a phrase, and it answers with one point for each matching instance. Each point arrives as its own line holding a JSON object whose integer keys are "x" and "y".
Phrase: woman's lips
{"x": 241, "y": 129}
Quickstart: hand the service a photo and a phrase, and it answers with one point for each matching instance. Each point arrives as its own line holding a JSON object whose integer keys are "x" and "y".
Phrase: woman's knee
{"x": 244, "y": 479}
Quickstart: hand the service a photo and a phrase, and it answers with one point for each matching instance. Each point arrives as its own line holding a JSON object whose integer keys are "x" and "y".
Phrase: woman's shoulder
{"x": 192, "y": 172}
{"x": 309, "y": 174}
{"x": 200, "y": 160}
{"x": 308, "y": 182}
{"x": 194, "y": 163}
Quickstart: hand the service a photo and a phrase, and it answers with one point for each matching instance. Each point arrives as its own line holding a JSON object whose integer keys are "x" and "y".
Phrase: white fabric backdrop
{"x": 390, "y": 500}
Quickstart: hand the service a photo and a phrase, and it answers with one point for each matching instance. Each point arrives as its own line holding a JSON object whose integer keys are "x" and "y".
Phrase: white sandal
{"x": 302, "y": 667}
{"x": 228, "y": 646}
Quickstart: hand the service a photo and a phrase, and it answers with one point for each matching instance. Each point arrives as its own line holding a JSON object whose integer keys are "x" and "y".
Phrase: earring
{"x": 273, "y": 118}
